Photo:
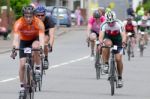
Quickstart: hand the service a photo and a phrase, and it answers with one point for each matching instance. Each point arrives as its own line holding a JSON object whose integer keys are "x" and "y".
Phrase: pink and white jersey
{"x": 94, "y": 24}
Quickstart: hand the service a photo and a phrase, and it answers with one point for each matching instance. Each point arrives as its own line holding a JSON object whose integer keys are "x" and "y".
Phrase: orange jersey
{"x": 28, "y": 32}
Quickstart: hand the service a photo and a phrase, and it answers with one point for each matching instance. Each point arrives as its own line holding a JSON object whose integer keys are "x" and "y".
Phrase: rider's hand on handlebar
{"x": 13, "y": 54}
{"x": 50, "y": 48}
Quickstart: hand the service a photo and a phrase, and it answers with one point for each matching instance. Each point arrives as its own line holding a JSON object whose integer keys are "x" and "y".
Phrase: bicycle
{"x": 29, "y": 76}
{"x": 98, "y": 61}
{"x": 113, "y": 76}
{"x": 39, "y": 78}
{"x": 129, "y": 45}
{"x": 141, "y": 43}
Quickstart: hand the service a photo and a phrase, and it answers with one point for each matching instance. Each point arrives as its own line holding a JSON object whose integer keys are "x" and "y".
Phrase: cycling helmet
{"x": 40, "y": 9}
{"x": 96, "y": 14}
{"x": 28, "y": 10}
{"x": 110, "y": 16}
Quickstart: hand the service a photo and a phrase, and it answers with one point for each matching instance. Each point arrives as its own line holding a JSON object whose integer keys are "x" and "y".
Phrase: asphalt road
{"x": 72, "y": 74}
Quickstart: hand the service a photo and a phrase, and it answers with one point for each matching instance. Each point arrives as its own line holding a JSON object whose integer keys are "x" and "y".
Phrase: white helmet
{"x": 110, "y": 16}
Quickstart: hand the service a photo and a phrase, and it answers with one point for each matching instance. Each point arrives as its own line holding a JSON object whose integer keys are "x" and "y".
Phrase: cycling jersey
{"x": 28, "y": 32}
{"x": 49, "y": 23}
{"x": 113, "y": 33}
{"x": 96, "y": 26}
{"x": 129, "y": 26}
{"x": 142, "y": 26}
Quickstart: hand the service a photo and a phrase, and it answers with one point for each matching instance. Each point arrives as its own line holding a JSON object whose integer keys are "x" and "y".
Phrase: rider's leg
{"x": 36, "y": 57}
{"x": 21, "y": 73}
{"x": 46, "y": 63}
{"x": 133, "y": 42}
{"x": 105, "y": 54}
{"x": 92, "y": 39}
{"x": 119, "y": 62}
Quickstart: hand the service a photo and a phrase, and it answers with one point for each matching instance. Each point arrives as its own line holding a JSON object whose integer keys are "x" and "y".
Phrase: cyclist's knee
{"x": 35, "y": 44}
{"x": 93, "y": 36}
{"x": 107, "y": 42}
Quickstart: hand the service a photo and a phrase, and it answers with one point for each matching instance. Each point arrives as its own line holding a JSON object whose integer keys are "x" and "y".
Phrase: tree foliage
{"x": 17, "y": 5}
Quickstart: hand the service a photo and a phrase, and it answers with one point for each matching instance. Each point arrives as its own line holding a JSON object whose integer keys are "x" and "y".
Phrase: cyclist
{"x": 112, "y": 33}
{"x": 40, "y": 12}
{"x": 28, "y": 32}
{"x": 93, "y": 29}
{"x": 143, "y": 27}
{"x": 131, "y": 27}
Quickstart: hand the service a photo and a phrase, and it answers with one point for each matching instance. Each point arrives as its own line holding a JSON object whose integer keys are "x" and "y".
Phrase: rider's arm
{"x": 123, "y": 34}
{"x": 16, "y": 32}
{"x": 51, "y": 34}
{"x": 15, "y": 40}
{"x": 102, "y": 32}
{"x": 41, "y": 33}
{"x": 51, "y": 31}
{"x": 89, "y": 27}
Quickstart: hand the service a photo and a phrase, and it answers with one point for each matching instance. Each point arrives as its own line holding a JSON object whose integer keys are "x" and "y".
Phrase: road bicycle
{"x": 113, "y": 74}
{"x": 98, "y": 61}
{"x": 29, "y": 74}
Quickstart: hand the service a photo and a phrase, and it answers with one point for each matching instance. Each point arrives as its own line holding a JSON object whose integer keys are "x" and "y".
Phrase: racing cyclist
{"x": 28, "y": 32}
{"x": 143, "y": 27}
{"x": 40, "y": 12}
{"x": 93, "y": 29}
{"x": 131, "y": 27}
{"x": 112, "y": 33}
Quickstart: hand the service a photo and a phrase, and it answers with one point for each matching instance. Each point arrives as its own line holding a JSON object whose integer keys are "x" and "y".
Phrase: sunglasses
{"x": 40, "y": 15}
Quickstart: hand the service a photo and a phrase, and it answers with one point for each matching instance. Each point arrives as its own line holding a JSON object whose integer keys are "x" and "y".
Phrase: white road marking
{"x": 51, "y": 67}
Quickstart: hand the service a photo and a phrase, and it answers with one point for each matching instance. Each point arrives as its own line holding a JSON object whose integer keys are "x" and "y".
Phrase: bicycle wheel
{"x": 112, "y": 77}
{"x": 97, "y": 65}
{"x": 141, "y": 50}
{"x": 129, "y": 50}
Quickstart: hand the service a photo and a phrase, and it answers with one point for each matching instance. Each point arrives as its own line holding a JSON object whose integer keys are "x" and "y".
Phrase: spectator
{"x": 130, "y": 11}
{"x": 3, "y": 31}
{"x": 78, "y": 16}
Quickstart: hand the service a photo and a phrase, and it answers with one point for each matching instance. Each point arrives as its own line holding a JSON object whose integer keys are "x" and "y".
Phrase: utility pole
{"x": 57, "y": 4}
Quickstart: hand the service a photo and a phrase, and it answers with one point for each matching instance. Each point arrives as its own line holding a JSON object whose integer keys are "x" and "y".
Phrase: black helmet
{"x": 96, "y": 14}
{"x": 28, "y": 10}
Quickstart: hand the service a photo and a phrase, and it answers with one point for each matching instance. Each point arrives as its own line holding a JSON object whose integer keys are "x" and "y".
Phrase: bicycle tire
{"x": 141, "y": 50}
{"x": 129, "y": 50}
{"x": 112, "y": 77}
{"x": 97, "y": 65}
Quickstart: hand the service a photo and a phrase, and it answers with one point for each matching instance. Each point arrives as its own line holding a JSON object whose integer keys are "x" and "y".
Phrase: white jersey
{"x": 117, "y": 27}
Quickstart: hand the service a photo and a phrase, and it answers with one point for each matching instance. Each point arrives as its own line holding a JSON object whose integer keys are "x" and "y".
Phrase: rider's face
{"x": 41, "y": 16}
{"x": 28, "y": 18}
{"x": 111, "y": 24}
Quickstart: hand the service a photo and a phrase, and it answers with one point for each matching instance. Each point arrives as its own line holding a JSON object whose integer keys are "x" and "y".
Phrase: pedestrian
{"x": 3, "y": 30}
{"x": 78, "y": 16}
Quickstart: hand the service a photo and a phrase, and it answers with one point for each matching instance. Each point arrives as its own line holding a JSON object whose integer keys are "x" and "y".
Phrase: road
{"x": 72, "y": 74}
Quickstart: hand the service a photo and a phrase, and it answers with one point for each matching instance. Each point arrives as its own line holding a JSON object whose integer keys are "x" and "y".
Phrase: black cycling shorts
{"x": 24, "y": 44}
{"x": 97, "y": 34}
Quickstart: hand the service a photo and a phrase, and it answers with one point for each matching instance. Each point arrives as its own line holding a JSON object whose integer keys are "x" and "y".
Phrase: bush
{"x": 17, "y": 5}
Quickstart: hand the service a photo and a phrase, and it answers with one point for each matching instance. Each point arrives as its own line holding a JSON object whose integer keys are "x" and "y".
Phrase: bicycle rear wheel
{"x": 141, "y": 50}
{"x": 129, "y": 50}
{"x": 97, "y": 65}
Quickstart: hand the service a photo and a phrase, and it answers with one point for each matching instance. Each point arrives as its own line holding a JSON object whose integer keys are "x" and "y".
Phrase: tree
{"x": 17, "y": 5}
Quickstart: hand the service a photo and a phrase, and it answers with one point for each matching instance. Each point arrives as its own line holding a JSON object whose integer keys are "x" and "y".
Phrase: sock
{"x": 106, "y": 62}
{"x": 119, "y": 77}
{"x": 46, "y": 57}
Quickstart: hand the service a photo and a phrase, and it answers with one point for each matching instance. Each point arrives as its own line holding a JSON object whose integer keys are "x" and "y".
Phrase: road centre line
{"x": 51, "y": 67}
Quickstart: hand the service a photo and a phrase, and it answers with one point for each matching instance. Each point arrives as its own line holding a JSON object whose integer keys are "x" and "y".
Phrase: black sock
{"x": 46, "y": 57}
{"x": 119, "y": 77}
{"x": 106, "y": 62}
{"x": 21, "y": 85}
